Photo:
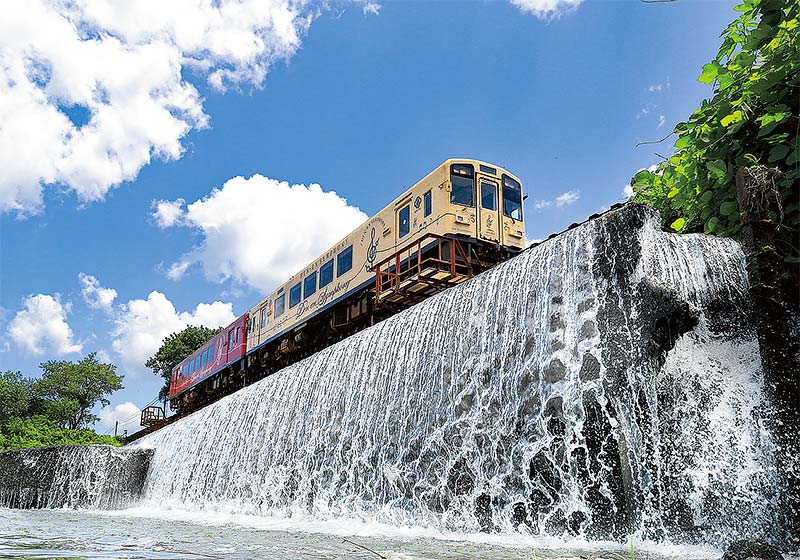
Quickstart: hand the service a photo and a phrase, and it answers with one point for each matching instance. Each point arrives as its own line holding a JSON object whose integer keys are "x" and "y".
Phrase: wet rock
{"x": 590, "y": 368}
{"x": 483, "y": 513}
{"x": 555, "y": 371}
{"x": 747, "y": 549}
{"x": 556, "y": 322}
{"x": 588, "y": 330}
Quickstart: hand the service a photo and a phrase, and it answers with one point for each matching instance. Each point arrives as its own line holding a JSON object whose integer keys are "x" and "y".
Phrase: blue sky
{"x": 101, "y": 246}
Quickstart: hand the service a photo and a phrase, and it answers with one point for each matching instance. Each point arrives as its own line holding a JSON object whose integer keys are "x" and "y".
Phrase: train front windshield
{"x": 512, "y": 198}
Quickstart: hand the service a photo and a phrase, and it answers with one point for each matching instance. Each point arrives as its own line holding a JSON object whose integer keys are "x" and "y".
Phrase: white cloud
{"x": 260, "y": 231}
{"x": 42, "y": 325}
{"x": 567, "y": 198}
{"x": 104, "y": 356}
{"x": 658, "y": 88}
{"x": 127, "y": 413}
{"x": 547, "y": 9}
{"x": 371, "y": 8}
{"x": 142, "y": 324}
{"x": 661, "y": 121}
{"x": 167, "y": 213}
{"x": 96, "y": 296}
{"x": 564, "y": 199}
{"x": 646, "y": 110}
{"x": 91, "y": 91}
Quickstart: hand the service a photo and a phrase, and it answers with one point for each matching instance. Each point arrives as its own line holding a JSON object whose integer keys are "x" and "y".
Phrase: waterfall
{"x": 87, "y": 476}
{"x": 603, "y": 382}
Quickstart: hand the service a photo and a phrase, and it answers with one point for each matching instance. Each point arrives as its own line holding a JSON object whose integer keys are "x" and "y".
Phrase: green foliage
{"x": 38, "y": 431}
{"x": 176, "y": 348}
{"x": 16, "y": 395}
{"x": 68, "y": 391}
{"x": 751, "y": 119}
{"x": 55, "y": 409}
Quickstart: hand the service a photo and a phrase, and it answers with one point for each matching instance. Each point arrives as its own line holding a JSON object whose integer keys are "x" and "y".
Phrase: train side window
{"x": 326, "y": 274}
{"x": 211, "y": 354}
{"x": 263, "y": 317}
{"x": 512, "y": 198}
{"x": 404, "y": 221}
{"x": 230, "y": 339}
{"x": 280, "y": 305}
{"x": 488, "y": 196}
{"x": 294, "y": 295}
{"x": 428, "y": 198}
{"x": 344, "y": 261}
{"x": 310, "y": 285}
{"x": 462, "y": 182}
{"x": 238, "y": 334}
{"x": 183, "y": 371}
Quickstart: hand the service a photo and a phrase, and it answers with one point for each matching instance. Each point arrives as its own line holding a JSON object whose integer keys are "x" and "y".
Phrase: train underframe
{"x": 426, "y": 267}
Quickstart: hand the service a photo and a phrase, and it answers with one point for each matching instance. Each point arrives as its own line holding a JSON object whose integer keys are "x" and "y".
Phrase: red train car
{"x": 222, "y": 351}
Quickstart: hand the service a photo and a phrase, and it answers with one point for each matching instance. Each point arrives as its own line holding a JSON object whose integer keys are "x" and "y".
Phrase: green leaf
{"x": 794, "y": 157}
{"x": 678, "y": 224}
{"x": 673, "y": 192}
{"x": 725, "y": 80}
{"x": 778, "y": 153}
{"x": 717, "y": 167}
{"x": 710, "y": 72}
{"x": 683, "y": 142}
{"x": 733, "y": 118}
{"x": 728, "y": 208}
{"x": 642, "y": 176}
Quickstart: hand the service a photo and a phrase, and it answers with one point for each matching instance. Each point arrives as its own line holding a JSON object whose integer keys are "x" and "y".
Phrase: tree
{"x": 751, "y": 119}
{"x": 176, "y": 348}
{"x": 68, "y": 391}
{"x": 16, "y": 395}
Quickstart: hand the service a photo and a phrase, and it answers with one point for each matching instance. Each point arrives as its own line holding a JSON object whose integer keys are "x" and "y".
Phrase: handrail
{"x": 409, "y": 261}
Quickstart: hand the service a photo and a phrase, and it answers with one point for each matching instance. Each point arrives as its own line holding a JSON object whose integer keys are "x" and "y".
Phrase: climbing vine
{"x": 752, "y": 118}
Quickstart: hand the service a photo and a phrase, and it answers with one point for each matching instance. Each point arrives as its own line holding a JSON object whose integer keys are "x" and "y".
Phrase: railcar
{"x": 462, "y": 218}
{"x": 209, "y": 363}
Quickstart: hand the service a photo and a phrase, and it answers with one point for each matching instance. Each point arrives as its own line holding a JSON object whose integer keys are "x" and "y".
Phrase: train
{"x": 462, "y": 218}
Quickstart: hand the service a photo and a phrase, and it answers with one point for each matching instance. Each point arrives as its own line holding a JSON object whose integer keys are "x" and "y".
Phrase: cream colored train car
{"x": 475, "y": 202}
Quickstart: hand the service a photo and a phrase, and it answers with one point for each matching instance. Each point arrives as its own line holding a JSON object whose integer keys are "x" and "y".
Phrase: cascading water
{"x": 87, "y": 476}
{"x": 602, "y": 382}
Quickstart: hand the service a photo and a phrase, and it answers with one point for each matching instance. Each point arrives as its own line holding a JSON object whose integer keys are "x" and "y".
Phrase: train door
{"x": 230, "y": 344}
{"x": 490, "y": 223}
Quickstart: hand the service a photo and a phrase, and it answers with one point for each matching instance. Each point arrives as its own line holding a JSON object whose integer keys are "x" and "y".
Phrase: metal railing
{"x": 415, "y": 262}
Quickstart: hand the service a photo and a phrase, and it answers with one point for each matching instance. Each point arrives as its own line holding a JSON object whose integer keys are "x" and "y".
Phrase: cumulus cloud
{"x": 259, "y": 231}
{"x": 42, "y": 325}
{"x": 142, "y": 324}
{"x": 96, "y": 296}
{"x": 90, "y": 92}
{"x": 167, "y": 213}
{"x": 547, "y": 9}
{"x": 127, "y": 414}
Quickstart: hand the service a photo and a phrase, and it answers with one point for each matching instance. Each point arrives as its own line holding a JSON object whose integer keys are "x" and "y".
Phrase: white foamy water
{"x": 533, "y": 400}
